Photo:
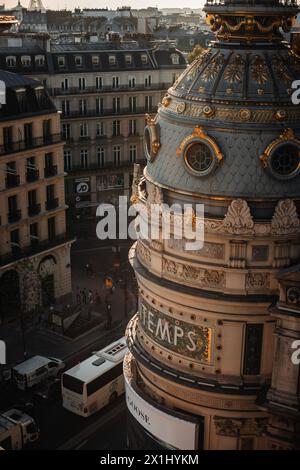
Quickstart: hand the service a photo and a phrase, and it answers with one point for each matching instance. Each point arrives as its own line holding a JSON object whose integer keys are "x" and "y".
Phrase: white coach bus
{"x": 95, "y": 382}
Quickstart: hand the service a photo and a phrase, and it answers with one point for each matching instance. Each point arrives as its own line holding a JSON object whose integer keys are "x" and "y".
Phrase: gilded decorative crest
{"x": 213, "y": 68}
{"x": 259, "y": 70}
{"x": 287, "y": 135}
{"x": 235, "y": 70}
{"x": 201, "y": 135}
{"x": 151, "y": 138}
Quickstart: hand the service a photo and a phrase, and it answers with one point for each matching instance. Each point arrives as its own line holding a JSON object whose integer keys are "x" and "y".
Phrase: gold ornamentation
{"x": 213, "y": 68}
{"x": 259, "y": 70}
{"x": 281, "y": 71}
{"x": 166, "y": 101}
{"x": 209, "y": 111}
{"x": 229, "y": 113}
{"x": 288, "y": 135}
{"x": 280, "y": 115}
{"x": 153, "y": 130}
{"x": 285, "y": 219}
{"x": 200, "y": 134}
{"x": 180, "y": 108}
{"x": 244, "y": 114}
{"x": 235, "y": 70}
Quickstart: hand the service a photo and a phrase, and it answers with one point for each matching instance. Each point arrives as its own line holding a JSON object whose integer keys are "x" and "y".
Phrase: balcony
{"x": 32, "y": 175}
{"x": 111, "y": 112}
{"x": 22, "y": 145}
{"x": 52, "y": 204}
{"x": 108, "y": 165}
{"x": 110, "y": 89}
{"x": 14, "y": 216}
{"x": 12, "y": 181}
{"x": 33, "y": 210}
{"x": 50, "y": 171}
{"x": 34, "y": 249}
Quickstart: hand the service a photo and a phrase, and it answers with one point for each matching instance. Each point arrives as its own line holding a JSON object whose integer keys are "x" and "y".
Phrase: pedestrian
{"x": 98, "y": 297}
{"x": 90, "y": 297}
{"x": 78, "y": 296}
{"x": 84, "y": 296}
{"x": 87, "y": 269}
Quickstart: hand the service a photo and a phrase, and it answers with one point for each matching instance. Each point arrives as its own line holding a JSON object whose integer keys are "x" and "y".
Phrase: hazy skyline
{"x": 111, "y": 4}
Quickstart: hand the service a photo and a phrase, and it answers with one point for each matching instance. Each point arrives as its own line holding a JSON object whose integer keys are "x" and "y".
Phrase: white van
{"x": 35, "y": 370}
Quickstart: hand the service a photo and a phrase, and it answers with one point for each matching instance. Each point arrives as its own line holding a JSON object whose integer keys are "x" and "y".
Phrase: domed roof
{"x": 228, "y": 126}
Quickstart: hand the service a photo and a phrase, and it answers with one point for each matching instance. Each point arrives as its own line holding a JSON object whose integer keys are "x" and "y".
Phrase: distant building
{"x": 103, "y": 91}
{"x": 34, "y": 247}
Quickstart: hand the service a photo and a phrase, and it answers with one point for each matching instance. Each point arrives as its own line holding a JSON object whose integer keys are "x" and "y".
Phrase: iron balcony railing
{"x": 110, "y": 112}
{"x": 52, "y": 204}
{"x": 50, "y": 171}
{"x": 33, "y": 249}
{"x": 14, "y": 216}
{"x": 12, "y": 181}
{"x": 32, "y": 175}
{"x": 34, "y": 209}
{"x": 22, "y": 145}
{"x": 109, "y": 88}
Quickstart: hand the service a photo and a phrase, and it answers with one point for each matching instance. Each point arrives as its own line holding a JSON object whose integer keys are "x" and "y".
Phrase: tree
{"x": 195, "y": 53}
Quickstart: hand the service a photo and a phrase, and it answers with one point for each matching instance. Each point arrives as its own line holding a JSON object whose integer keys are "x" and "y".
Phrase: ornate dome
{"x": 228, "y": 127}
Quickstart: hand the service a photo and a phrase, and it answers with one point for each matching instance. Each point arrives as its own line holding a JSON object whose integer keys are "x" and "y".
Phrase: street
{"x": 60, "y": 428}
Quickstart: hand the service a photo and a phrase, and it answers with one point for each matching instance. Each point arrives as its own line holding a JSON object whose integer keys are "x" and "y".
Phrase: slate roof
{"x": 27, "y": 103}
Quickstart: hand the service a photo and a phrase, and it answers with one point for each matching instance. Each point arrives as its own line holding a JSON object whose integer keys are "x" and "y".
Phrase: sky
{"x": 111, "y": 4}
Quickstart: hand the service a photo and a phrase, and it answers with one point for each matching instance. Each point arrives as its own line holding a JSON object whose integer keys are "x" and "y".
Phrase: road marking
{"x": 82, "y": 444}
{"x": 90, "y": 430}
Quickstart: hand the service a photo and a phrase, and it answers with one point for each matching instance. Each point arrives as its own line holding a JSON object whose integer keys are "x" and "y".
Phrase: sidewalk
{"x": 41, "y": 340}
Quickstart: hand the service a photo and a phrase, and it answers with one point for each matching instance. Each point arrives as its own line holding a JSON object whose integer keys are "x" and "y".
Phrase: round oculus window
{"x": 199, "y": 158}
{"x": 285, "y": 161}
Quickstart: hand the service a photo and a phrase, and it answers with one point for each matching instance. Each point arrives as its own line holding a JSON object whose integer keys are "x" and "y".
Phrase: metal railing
{"x": 32, "y": 175}
{"x": 109, "y": 88}
{"x": 34, "y": 209}
{"x": 110, "y": 112}
{"x": 50, "y": 171}
{"x": 14, "y": 216}
{"x": 11, "y": 181}
{"x": 52, "y": 204}
{"x": 35, "y": 248}
{"x": 22, "y": 145}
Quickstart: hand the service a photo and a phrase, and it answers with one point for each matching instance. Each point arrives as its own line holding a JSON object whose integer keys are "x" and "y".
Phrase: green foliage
{"x": 195, "y": 53}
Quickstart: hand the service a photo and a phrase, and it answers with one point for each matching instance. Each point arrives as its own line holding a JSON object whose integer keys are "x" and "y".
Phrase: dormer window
{"x": 26, "y": 60}
{"x": 78, "y": 60}
{"x": 61, "y": 61}
{"x": 112, "y": 60}
{"x": 11, "y": 61}
{"x": 128, "y": 59}
{"x": 95, "y": 60}
{"x": 144, "y": 58}
{"x": 175, "y": 59}
{"x": 39, "y": 60}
